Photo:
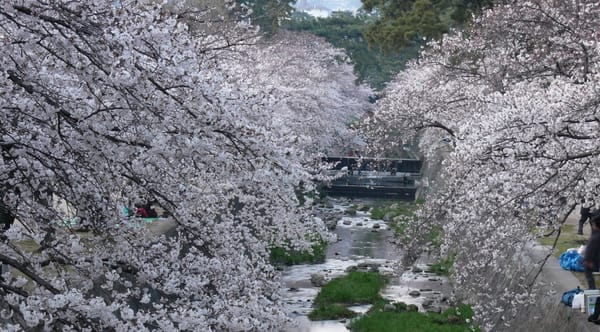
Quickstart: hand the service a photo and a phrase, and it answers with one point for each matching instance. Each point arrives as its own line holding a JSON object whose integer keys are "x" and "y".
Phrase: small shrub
{"x": 283, "y": 256}
{"x": 443, "y": 267}
{"x": 331, "y": 311}
{"x": 451, "y": 320}
{"x": 355, "y": 287}
{"x": 393, "y": 209}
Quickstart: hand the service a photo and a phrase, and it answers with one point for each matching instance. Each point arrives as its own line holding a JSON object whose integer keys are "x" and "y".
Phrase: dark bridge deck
{"x": 374, "y": 177}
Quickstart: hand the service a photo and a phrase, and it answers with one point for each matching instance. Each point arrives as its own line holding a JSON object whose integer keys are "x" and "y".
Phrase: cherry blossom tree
{"x": 313, "y": 90}
{"x": 104, "y": 103}
{"x": 511, "y": 104}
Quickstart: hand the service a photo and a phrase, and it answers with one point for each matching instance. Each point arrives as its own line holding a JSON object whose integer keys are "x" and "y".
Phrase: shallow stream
{"x": 368, "y": 245}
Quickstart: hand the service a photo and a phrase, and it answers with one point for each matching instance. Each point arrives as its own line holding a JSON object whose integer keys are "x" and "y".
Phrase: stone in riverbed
{"x": 414, "y": 293}
{"x": 427, "y": 303}
{"x": 416, "y": 269}
{"x": 389, "y": 307}
{"x": 317, "y": 279}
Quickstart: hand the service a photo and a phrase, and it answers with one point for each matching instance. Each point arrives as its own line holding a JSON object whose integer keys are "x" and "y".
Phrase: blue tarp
{"x": 571, "y": 260}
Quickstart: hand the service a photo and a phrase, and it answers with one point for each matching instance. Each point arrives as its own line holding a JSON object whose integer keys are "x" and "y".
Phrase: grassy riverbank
{"x": 364, "y": 288}
{"x": 284, "y": 256}
{"x": 567, "y": 239}
{"x": 352, "y": 289}
{"x": 452, "y": 320}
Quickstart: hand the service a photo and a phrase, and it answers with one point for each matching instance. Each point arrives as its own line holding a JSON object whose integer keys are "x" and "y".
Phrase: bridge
{"x": 374, "y": 177}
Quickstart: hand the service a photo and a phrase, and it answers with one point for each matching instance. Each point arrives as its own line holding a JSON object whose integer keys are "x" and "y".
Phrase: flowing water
{"x": 367, "y": 244}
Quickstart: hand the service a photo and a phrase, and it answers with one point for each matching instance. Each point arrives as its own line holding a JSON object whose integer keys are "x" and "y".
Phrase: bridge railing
{"x": 362, "y": 164}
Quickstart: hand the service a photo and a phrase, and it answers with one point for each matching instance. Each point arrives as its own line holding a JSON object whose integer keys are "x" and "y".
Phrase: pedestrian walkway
{"x": 560, "y": 280}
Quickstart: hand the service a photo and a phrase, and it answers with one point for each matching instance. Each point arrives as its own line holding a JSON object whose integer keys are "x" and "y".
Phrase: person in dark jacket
{"x": 591, "y": 263}
{"x": 585, "y": 212}
{"x": 6, "y": 218}
{"x": 591, "y": 257}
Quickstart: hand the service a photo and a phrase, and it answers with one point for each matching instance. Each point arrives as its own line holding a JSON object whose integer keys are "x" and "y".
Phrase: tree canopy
{"x": 103, "y": 104}
{"x": 512, "y": 105}
{"x": 402, "y": 23}
{"x": 346, "y": 30}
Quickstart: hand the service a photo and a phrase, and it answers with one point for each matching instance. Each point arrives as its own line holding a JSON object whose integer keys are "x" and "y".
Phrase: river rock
{"x": 376, "y": 226}
{"x": 427, "y": 303}
{"x": 416, "y": 269}
{"x": 317, "y": 279}
{"x": 347, "y": 222}
{"x": 351, "y": 268}
{"x": 389, "y": 307}
{"x": 369, "y": 266}
{"x": 412, "y": 307}
{"x": 414, "y": 293}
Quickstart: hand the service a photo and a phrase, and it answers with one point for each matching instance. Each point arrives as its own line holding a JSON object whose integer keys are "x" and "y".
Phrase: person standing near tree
{"x": 585, "y": 212}
{"x": 591, "y": 263}
{"x": 591, "y": 257}
{"x": 6, "y": 220}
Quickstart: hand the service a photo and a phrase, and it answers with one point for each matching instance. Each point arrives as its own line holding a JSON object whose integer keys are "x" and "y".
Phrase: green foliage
{"x": 404, "y": 23}
{"x": 283, "y": 256}
{"x": 451, "y": 320}
{"x": 355, "y": 287}
{"x": 345, "y": 30}
{"x": 568, "y": 239}
{"x": 436, "y": 236}
{"x": 393, "y": 210}
{"x": 443, "y": 267}
{"x": 331, "y": 311}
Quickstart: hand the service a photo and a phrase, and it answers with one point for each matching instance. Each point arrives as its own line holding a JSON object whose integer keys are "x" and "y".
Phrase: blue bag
{"x": 567, "y": 297}
{"x": 571, "y": 260}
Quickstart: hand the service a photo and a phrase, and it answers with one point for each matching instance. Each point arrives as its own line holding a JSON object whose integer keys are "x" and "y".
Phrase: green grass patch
{"x": 354, "y": 288}
{"x": 283, "y": 256}
{"x": 393, "y": 209}
{"x": 443, "y": 267}
{"x": 331, "y": 311}
{"x": 451, "y": 320}
{"x": 568, "y": 239}
{"x": 436, "y": 236}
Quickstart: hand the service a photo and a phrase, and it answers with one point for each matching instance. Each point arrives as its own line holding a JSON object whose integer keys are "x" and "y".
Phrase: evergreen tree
{"x": 404, "y": 23}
